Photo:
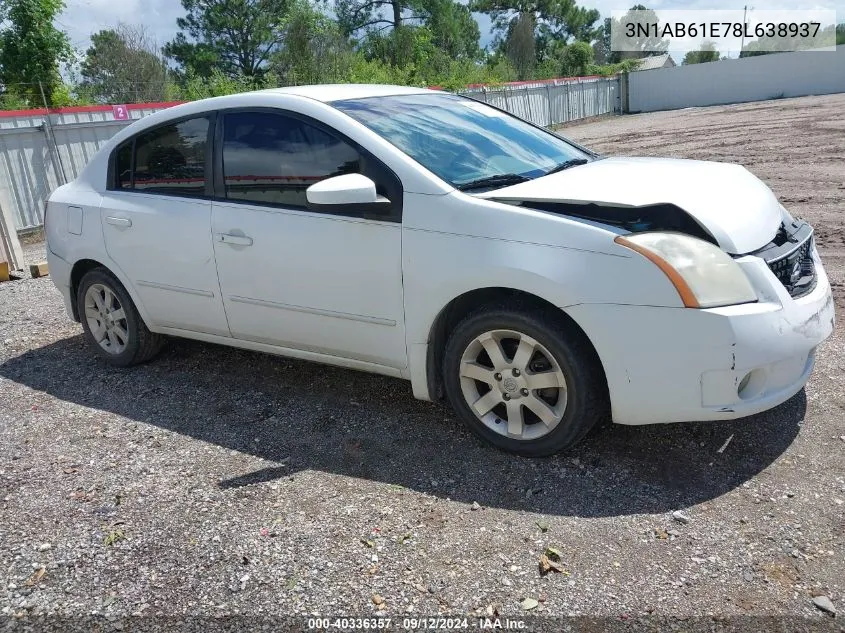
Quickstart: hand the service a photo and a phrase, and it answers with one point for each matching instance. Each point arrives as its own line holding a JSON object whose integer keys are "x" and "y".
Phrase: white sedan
{"x": 537, "y": 285}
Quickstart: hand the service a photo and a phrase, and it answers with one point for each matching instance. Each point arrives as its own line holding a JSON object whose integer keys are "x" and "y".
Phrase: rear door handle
{"x": 118, "y": 221}
{"x": 236, "y": 240}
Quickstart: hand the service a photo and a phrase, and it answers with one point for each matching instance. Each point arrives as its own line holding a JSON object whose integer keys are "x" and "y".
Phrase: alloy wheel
{"x": 106, "y": 319}
{"x": 513, "y": 384}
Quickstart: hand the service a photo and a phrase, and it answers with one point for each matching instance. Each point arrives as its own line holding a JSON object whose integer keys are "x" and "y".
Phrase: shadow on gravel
{"x": 367, "y": 426}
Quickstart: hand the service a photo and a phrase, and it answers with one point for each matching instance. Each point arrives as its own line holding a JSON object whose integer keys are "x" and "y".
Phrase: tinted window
{"x": 272, "y": 159}
{"x": 459, "y": 139}
{"x": 171, "y": 159}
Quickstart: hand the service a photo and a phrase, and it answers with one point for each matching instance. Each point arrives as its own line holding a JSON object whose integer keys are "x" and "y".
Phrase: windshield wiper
{"x": 574, "y": 162}
{"x": 499, "y": 180}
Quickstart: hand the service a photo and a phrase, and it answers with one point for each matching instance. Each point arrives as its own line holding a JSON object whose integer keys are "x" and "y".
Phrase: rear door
{"x": 156, "y": 219}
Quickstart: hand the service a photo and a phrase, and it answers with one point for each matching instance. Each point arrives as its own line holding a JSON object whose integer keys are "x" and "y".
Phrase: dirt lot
{"x": 214, "y": 482}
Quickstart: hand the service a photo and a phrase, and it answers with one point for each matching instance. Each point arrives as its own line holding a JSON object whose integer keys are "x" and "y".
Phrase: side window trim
{"x": 132, "y": 163}
{"x": 113, "y": 173}
{"x": 112, "y": 176}
{"x": 208, "y": 168}
{"x": 219, "y": 185}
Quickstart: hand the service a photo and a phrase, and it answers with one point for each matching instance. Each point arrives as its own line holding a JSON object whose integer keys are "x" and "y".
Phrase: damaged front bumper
{"x": 679, "y": 364}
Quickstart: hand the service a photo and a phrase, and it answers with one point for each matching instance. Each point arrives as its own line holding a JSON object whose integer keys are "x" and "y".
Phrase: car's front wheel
{"x": 522, "y": 381}
{"x": 111, "y": 321}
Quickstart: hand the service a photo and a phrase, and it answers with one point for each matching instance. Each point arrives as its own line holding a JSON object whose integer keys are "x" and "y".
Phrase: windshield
{"x": 461, "y": 140}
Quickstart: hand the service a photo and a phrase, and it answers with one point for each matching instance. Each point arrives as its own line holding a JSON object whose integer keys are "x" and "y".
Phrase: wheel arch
{"x": 82, "y": 266}
{"x": 459, "y": 307}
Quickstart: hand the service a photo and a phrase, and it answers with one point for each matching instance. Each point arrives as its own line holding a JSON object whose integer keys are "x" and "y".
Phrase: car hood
{"x": 729, "y": 202}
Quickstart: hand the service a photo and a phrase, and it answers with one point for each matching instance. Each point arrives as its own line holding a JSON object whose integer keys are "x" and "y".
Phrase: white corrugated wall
{"x": 554, "y": 101}
{"x": 759, "y": 78}
{"x": 32, "y": 165}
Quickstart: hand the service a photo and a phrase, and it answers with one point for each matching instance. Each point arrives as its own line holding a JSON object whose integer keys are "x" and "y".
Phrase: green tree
{"x": 237, "y": 37}
{"x": 602, "y": 45}
{"x": 646, "y": 46}
{"x": 124, "y": 65}
{"x": 521, "y": 45}
{"x": 31, "y": 49}
{"x": 576, "y": 58}
{"x": 218, "y": 84}
{"x": 554, "y": 21}
{"x": 453, "y": 29}
{"x": 385, "y": 28}
{"x": 707, "y": 53}
{"x": 314, "y": 51}
{"x": 568, "y": 60}
{"x": 376, "y": 16}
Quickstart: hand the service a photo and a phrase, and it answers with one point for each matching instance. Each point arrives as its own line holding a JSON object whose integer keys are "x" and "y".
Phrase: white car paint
{"x": 366, "y": 293}
{"x": 169, "y": 261}
{"x": 346, "y": 189}
{"x": 341, "y": 297}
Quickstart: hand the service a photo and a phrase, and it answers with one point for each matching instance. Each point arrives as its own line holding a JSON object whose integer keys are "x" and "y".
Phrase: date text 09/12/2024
{"x": 414, "y": 624}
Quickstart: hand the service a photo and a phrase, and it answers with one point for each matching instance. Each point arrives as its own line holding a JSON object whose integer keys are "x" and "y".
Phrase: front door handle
{"x": 126, "y": 222}
{"x": 236, "y": 240}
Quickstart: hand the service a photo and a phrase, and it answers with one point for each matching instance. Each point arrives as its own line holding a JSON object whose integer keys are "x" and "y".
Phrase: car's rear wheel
{"x": 522, "y": 381}
{"x": 111, "y": 321}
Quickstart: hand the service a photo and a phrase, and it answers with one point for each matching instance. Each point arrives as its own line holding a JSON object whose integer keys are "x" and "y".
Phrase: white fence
{"x": 38, "y": 153}
{"x": 737, "y": 80}
{"x": 554, "y": 101}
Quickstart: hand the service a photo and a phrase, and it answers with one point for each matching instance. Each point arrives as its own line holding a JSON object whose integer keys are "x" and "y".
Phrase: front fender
{"x": 561, "y": 276}
{"x": 439, "y": 267}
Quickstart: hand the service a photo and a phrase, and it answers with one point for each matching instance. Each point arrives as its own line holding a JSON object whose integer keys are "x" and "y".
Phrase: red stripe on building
{"x": 92, "y": 108}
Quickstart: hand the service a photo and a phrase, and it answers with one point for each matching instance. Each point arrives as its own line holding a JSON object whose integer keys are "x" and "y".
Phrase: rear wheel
{"x": 522, "y": 382}
{"x": 111, "y": 321}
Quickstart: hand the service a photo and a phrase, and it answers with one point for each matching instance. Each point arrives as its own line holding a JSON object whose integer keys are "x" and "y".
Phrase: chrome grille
{"x": 796, "y": 270}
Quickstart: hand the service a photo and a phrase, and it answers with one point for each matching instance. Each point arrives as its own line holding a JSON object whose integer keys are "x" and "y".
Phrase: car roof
{"x": 323, "y": 95}
{"x": 320, "y": 93}
{"x": 335, "y": 92}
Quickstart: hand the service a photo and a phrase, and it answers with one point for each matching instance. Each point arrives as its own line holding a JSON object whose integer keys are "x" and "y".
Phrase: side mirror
{"x": 348, "y": 193}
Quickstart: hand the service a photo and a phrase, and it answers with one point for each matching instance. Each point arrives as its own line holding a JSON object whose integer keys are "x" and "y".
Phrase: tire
{"x": 560, "y": 357}
{"x": 130, "y": 341}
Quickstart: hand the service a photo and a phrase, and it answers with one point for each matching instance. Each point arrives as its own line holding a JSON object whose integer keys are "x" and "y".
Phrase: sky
{"x": 81, "y": 18}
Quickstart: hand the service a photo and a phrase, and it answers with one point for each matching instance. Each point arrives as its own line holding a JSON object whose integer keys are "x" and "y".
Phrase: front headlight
{"x": 703, "y": 274}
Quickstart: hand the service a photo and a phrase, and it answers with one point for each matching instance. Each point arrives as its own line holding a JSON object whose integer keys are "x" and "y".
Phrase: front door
{"x": 327, "y": 283}
{"x": 157, "y": 226}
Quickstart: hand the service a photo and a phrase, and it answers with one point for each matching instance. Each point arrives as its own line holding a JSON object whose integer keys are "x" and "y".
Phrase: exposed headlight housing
{"x": 702, "y": 273}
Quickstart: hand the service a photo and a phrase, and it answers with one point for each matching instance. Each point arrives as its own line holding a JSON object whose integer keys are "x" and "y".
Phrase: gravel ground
{"x": 215, "y": 482}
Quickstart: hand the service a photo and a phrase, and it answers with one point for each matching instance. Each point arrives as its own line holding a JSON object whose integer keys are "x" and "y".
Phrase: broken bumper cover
{"x": 678, "y": 364}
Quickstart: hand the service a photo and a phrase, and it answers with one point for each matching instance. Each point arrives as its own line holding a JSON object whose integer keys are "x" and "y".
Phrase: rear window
{"x": 169, "y": 159}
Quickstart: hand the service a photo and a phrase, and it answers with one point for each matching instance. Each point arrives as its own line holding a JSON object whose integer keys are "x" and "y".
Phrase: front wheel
{"x": 522, "y": 382}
